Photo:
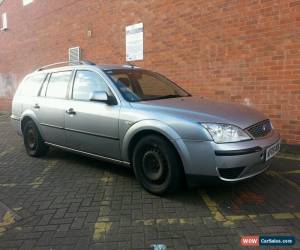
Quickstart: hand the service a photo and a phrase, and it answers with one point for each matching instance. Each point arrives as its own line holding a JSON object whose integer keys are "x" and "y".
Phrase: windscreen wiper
{"x": 167, "y": 96}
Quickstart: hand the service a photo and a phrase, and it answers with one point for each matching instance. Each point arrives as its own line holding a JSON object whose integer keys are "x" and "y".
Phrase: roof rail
{"x": 131, "y": 65}
{"x": 69, "y": 63}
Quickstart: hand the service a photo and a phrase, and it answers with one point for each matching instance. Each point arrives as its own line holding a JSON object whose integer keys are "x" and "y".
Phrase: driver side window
{"x": 86, "y": 82}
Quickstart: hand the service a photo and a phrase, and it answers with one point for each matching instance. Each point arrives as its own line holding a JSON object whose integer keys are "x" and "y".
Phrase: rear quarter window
{"x": 31, "y": 85}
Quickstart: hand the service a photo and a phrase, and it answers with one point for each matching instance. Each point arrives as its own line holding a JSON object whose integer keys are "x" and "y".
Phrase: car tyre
{"x": 157, "y": 165}
{"x": 33, "y": 141}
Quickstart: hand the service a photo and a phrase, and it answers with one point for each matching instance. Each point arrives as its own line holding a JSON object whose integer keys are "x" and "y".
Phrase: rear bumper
{"x": 229, "y": 162}
{"x": 16, "y": 123}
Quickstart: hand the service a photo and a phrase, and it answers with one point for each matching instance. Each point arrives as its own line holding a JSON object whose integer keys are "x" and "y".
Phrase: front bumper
{"x": 228, "y": 162}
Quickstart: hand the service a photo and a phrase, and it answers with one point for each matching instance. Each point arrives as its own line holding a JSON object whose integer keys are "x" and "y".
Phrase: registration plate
{"x": 272, "y": 151}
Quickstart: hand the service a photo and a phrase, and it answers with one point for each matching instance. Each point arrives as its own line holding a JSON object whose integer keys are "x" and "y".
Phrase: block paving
{"x": 67, "y": 201}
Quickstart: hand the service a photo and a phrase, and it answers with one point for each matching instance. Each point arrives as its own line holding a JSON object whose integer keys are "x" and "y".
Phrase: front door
{"x": 92, "y": 127}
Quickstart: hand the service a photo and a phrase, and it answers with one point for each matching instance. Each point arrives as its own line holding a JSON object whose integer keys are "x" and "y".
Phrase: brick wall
{"x": 245, "y": 51}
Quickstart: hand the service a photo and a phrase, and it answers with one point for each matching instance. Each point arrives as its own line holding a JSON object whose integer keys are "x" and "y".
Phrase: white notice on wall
{"x": 135, "y": 42}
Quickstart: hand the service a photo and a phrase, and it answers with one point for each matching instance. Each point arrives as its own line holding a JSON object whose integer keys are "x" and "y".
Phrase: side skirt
{"x": 122, "y": 163}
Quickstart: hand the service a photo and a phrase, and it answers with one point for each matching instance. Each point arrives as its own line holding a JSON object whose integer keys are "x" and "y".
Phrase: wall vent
{"x": 74, "y": 54}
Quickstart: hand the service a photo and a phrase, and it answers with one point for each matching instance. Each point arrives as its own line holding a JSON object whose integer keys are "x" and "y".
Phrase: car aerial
{"x": 140, "y": 119}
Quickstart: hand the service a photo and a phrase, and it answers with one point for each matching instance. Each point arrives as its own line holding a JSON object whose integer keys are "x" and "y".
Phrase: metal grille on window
{"x": 74, "y": 54}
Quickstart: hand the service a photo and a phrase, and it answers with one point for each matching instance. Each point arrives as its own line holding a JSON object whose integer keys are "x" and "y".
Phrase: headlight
{"x": 222, "y": 133}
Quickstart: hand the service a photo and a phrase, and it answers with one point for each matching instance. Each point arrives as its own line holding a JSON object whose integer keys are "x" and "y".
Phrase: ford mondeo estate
{"x": 138, "y": 118}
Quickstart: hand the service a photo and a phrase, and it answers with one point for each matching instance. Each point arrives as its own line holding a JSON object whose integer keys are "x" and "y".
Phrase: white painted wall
{"x": 8, "y": 84}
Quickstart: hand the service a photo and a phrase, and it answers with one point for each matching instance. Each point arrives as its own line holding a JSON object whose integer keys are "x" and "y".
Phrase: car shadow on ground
{"x": 256, "y": 195}
{"x": 184, "y": 194}
{"x": 85, "y": 161}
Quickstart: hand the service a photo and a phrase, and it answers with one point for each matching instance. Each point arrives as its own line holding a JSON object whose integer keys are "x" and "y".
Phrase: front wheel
{"x": 33, "y": 141}
{"x": 156, "y": 165}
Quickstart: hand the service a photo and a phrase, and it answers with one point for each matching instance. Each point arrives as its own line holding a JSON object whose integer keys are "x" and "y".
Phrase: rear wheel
{"x": 157, "y": 165}
{"x": 34, "y": 144}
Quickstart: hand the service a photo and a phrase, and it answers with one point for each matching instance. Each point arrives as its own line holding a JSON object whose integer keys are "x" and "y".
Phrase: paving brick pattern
{"x": 65, "y": 201}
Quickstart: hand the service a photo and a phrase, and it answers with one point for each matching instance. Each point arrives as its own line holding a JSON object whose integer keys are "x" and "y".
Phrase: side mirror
{"x": 102, "y": 96}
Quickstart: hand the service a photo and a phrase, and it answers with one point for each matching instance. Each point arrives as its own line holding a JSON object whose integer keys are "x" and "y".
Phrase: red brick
{"x": 224, "y": 50}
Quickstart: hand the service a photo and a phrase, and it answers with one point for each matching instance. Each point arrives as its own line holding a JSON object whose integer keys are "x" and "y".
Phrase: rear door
{"x": 92, "y": 127}
{"x": 51, "y": 107}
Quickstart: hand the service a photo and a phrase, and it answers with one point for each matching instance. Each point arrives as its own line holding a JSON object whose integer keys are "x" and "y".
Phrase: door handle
{"x": 36, "y": 106}
{"x": 70, "y": 111}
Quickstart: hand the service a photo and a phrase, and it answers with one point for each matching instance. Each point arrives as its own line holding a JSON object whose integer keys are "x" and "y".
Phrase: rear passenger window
{"x": 58, "y": 84}
{"x": 31, "y": 85}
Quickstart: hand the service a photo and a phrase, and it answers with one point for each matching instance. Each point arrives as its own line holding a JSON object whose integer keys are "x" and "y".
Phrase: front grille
{"x": 260, "y": 129}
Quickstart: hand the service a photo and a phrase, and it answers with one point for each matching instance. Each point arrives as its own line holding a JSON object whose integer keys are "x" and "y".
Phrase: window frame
{"x": 27, "y": 3}
{"x": 45, "y": 84}
{"x": 73, "y": 82}
{"x": 4, "y": 21}
{"x": 48, "y": 81}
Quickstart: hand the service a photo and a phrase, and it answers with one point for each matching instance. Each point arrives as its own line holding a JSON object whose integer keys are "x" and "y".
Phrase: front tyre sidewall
{"x": 173, "y": 164}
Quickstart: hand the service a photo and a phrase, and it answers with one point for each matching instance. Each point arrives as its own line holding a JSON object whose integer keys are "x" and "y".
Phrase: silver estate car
{"x": 141, "y": 119}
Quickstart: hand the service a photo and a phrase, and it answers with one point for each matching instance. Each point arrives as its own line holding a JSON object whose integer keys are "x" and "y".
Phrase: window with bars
{"x": 26, "y": 2}
{"x": 4, "y": 21}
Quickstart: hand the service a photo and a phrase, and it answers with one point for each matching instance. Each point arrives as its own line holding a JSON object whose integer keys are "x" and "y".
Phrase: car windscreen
{"x": 142, "y": 85}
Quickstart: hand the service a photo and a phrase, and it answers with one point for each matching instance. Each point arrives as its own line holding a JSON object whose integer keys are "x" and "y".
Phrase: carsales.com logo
{"x": 255, "y": 241}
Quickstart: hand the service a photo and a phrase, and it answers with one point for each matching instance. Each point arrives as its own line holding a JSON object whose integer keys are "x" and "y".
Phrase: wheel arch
{"x": 134, "y": 140}
{"x": 147, "y": 127}
{"x": 27, "y": 116}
